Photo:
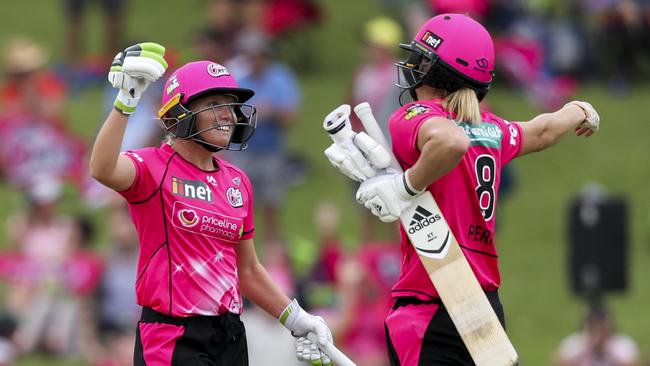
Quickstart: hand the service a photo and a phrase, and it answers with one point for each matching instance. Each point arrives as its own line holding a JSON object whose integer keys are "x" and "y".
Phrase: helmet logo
{"x": 217, "y": 70}
{"x": 482, "y": 63}
{"x": 431, "y": 39}
{"x": 173, "y": 84}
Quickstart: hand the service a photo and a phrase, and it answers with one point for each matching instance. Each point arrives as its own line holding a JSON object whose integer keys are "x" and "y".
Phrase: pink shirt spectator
{"x": 467, "y": 195}
{"x": 188, "y": 222}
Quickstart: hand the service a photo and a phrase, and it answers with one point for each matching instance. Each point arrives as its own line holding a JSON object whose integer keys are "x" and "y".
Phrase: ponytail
{"x": 464, "y": 103}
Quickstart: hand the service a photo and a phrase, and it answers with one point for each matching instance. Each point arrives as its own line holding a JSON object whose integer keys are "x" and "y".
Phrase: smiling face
{"x": 215, "y": 118}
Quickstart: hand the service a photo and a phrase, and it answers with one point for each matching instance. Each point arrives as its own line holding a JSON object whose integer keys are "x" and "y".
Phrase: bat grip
{"x": 337, "y": 357}
{"x": 364, "y": 112}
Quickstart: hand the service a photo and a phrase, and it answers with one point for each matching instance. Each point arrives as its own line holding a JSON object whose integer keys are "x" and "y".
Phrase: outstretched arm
{"x": 548, "y": 129}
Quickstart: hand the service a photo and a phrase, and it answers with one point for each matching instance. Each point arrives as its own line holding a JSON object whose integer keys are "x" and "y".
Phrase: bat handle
{"x": 337, "y": 124}
{"x": 338, "y": 358}
{"x": 364, "y": 112}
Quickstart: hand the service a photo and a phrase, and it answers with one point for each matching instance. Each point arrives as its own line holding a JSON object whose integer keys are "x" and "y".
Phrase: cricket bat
{"x": 337, "y": 357}
{"x": 442, "y": 258}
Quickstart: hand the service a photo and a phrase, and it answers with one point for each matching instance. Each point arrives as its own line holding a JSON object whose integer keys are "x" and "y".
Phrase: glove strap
{"x": 408, "y": 187}
{"x": 125, "y": 103}
{"x": 290, "y": 314}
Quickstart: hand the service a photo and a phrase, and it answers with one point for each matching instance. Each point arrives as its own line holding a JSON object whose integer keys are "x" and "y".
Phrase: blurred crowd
{"x": 67, "y": 298}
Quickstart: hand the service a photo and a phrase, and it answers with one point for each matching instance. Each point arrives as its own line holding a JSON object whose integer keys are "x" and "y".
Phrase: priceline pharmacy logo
{"x": 206, "y": 223}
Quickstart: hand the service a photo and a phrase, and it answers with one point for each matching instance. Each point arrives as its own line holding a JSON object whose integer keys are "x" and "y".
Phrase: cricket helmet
{"x": 197, "y": 79}
{"x": 450, "y": 51}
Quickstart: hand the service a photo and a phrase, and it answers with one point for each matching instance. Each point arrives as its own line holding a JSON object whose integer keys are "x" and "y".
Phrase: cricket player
{"x": 448, "y": 146}
{"x": 193, "y": 213}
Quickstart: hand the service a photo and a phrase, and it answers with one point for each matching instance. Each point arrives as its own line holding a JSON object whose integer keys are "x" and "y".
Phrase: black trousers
{"x": 162, "y": 340}
{"x": 441, "y": 344}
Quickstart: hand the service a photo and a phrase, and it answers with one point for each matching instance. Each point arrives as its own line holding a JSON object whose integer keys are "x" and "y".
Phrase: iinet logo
{"x": 431, "y": 39}
{"x": 421, "y": 219}
{"x": 191, "y": 189}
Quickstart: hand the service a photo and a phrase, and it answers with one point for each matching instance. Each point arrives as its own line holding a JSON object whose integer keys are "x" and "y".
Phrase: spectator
{"x": 117, "y": 307}
{"x": 40, "y": 299}
{"x": 279, "y": 17}
{"x": 116, "y": 310}
{"x": 74, "y": 14}
{"x": 319, "y": 286}
{"x": 597, "y": 344}
{"x": 277, "y": 99}
{"x": 30, "y": 89}
{"x": 31, "y": 101}
{"x": 365, "y": 281}
{"x": 377, "y": 70}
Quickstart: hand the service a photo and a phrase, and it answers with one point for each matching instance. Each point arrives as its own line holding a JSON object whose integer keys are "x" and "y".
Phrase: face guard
{"x": 180, "y": 122}
{"x": 425, "y": 67}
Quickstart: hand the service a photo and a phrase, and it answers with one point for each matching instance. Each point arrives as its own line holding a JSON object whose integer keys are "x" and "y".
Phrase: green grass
{"x": 540, "y": 310}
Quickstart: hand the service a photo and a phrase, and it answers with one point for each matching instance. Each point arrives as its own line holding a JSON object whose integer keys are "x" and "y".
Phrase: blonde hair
{"x": 464, "y": 103}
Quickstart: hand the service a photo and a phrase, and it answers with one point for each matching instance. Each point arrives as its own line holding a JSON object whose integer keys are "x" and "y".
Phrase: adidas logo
{"x": 421, "y": 219}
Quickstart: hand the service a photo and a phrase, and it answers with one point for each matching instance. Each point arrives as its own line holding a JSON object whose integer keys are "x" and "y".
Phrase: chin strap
{"x": 211, "y": 148}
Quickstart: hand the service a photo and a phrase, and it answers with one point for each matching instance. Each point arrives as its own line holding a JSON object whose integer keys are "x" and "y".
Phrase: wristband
{"x": 408, "y": 186}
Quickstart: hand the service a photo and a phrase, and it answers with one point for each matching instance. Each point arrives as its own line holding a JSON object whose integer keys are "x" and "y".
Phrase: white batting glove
{"x": 300, "y": 322}
{"x": 308, "y": 351}
{"x": 133, "y": 70}
{"x": 592, "y": 119}
{"x": 388, "y": 195}
{"x": 359, "y": 158}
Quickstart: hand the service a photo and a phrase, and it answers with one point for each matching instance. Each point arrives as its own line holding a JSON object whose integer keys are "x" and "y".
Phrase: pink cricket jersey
{"x": 467, "y": 196}
{"x": 189, "y": 222}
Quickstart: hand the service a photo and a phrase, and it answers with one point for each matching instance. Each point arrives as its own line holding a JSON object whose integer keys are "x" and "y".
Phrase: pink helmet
{"x": 194, "y": 80}
{"x": 450, "y": 51}
{"x": 199, "y": 78}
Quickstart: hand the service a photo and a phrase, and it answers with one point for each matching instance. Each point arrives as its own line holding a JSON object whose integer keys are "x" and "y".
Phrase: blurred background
{"x": 574, "y": 221}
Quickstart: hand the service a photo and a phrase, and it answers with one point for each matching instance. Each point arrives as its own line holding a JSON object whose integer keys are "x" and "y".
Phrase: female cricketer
{"x": 448, "y": 146}
{"x": 193, "y": 213}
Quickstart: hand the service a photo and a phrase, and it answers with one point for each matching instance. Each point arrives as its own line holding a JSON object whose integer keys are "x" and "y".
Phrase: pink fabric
{"x": 467, "y": 196}
{"x": 454, "y": 36}
{"x": 158, "y": 342}
{"x": 406, "y": 328}
{"x": 190, "y": 227}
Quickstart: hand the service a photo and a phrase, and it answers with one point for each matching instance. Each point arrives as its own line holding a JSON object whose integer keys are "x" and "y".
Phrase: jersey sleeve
{"x": 248, "y": 230}
{"x": 144, "y": 183}
{"x": 512, "y": 141}
{"x": 404, "y": 126}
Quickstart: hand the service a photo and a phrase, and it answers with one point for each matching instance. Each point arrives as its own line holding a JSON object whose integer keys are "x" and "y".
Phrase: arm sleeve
{"x": 144, "y": 183}
{"x": 511, "y": 142}
{"x": 404, "y": 126}
{"x": 248, "y": 230}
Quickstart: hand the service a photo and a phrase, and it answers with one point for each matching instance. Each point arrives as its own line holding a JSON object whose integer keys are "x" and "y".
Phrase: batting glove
{"x": 309, "y": 351}
{"x": 359, "y": 158}
{"x": 592, "y": 119}
{"x": 300, "y": 322}
{"x": 133, "y": 70}
{"x": 388, "y": 195}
